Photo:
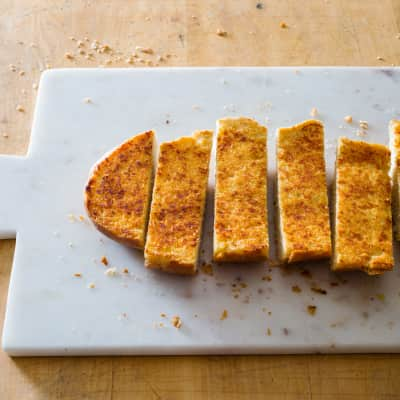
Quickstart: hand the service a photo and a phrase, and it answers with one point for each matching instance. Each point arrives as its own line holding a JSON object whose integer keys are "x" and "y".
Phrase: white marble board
{"x": 50, "y": 312}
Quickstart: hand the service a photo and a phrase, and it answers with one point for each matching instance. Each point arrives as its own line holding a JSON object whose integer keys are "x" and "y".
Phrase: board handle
{"x": 12, "y": 171}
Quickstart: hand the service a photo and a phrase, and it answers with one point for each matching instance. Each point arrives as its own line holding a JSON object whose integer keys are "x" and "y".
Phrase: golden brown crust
{"x": 394, "y": 134}
{"x": 117, "y": 195}
{"x": 302, "y": 193}
{"x": 177, "y": 209}
{"x": 363, "y": 231}
{"x": 240, "y": 221}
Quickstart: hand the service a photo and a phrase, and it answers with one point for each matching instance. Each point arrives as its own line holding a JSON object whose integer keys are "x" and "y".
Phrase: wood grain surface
{"x": 37, "y": 34}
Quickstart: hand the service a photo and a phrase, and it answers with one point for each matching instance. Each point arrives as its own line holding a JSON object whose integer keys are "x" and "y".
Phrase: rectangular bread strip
{"x": 240, "y": 220}
{"x": 177, "y": 208}
{"x": 302, "y": 199}
{"x": 394, "y": 135}
{"x": 363, "y": 222}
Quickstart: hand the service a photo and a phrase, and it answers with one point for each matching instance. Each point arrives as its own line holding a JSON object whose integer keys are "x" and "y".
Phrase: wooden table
{"x": 36, "y": 34}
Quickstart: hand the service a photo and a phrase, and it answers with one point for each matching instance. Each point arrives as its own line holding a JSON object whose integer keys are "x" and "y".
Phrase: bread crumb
{"x": 267, "y": 278}
{"x": 176, "y": 321}
{"x": 5, "y": 135}
{"x": 163, "y": 315}
{"x": 283, "y": 25}
{"x": 348, "y": 119}
{"x": 35, "y": 86}
{"x": 87, "y": 100}
{"x": 72, "y": 217}
{"x": 311, "y": 310}
{"x": 314, "y": 112}
{"x": 160, "y": 59}
{"x": 319, "y": 290}
{"x": 19, "y": 108}
{"x": 91, "y": 285}
{"x": 68, "y": 56}
{"x": 380, "y": 296}
{"x": 81, "y": 218}
{"x": 104, "y": 260}
{"x": 12, "y": 67}
{"x": 269, "y": 332}
{"x": 80, "y": 44}
{"x": 380, "y": 58}
{"x": 125, "y": 271}
{"x": 363, "y": 125}
{"x": 82, "y": 52}
{"x": 21, "y": 73}
{"x": 77, "y": 274}
{"x": 111, "y": 271}
{"x": 145, "y": 50}
{"x": 224, "y": 315}
{"x": 361, "y": 133}
{"x": 296, "y": 289}
{"x": 222, "y": 33}
{"x": 207, "y": 269}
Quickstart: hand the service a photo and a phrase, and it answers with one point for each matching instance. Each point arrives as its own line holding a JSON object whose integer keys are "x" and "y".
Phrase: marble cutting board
{"x": 51, "y": 312}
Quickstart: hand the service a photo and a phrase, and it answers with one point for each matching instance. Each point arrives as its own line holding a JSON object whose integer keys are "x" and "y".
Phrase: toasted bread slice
{"x": 363, "y": 222}
{"x": 118, "y": 193}
{"x": 394, "y": 135}
{"x": 240, "y": 220}
{"x": 177, "y": 209}
{"x": 302, "y": 198}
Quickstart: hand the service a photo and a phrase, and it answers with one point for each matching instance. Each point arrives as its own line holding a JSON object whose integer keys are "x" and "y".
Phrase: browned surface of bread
{"x": 302, "y": 198}
{"x": 240, "y": 219}
{"x": 118, "y": 193}
{"x": 363, "y": 223}
{"x": 177, "y": 208}
{"x": 394, "y": 135}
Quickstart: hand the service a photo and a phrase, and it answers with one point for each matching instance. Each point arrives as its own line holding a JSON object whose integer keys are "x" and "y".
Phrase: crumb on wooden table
{"x": 176, "y": 321}
{"x": 69, "y": 56}
{"x": 104, "y": 260}
{"x": 222, "y": 33}
{"x": 283, "y": 25}
{"x": 380, "y": 58}
{"x": 224, "y": 315}
{"x": 19, "y": 108}
{"x": 21, "y": 73}
{"x": 145, "y": 50}
{"x": 34, "y": 86}
{"x": 312, "y": 309}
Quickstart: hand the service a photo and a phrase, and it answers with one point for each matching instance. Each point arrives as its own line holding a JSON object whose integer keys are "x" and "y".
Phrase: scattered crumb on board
{"x": 224, "y": 315}
{"x": 176, "y": 321}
